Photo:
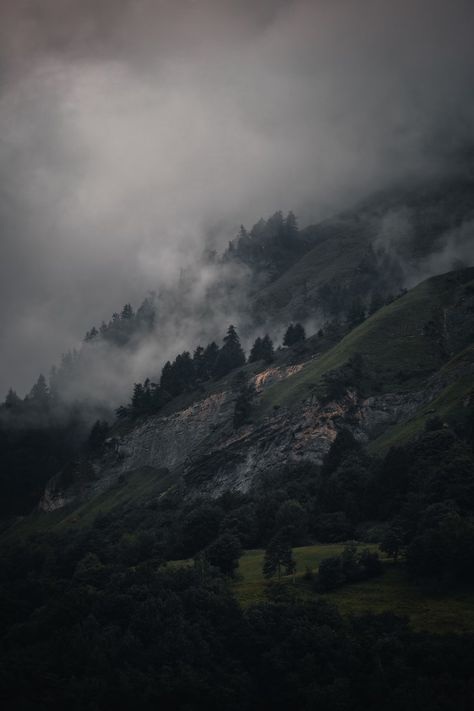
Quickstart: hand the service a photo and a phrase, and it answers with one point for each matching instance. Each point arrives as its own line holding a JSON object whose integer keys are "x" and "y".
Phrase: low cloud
{"x": 135, "y": 133}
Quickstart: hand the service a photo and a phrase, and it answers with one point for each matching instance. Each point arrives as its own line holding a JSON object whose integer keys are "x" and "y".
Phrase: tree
{"x": 278, "y": 556}
{"x": 231, "y": 355}
{"x": 392, "y": 542}
{"x": 294, "y": 334}
{"x": 127, "y": 312}
{"x": 98, "y": 434}
{"x": 262, "y": 349}
{"x": 343, "y": 445}
{"x": 331, "y": 573}
{"x": 12, "y": 401}
{"x": 210, "y": 355}
{"x": 224, "y": 553}
{"x": 243, "y": 404}
{"x": 256, "y": 351}
{"x": 39, "y": 393}
{"x": 267, "y": 351}
{"x": 91, "y": 335}
{"x": 291, "y": 517}
{"x": 201, "y": 527}
{"x": 146, "y": 314}
{"x": 291, "y": 225}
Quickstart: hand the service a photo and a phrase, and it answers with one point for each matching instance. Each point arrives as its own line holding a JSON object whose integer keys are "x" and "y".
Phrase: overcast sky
{"x": 130, "y": 130}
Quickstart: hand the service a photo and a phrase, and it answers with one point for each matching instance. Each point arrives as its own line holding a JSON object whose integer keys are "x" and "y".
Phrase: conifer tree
{"x": 262, "y": 349}
{"x": 39, "y": 393}
{"x": 294, "y": 334}
{"x": 127, "y": 312}
{"x": 268, "y": 353}
{"x": 256, "y": 351}
{"x": 210, "y": 355}
{"x": 230, "y": 355}
{"x": 291, "y": 225}
{"x": 12, "y": 401}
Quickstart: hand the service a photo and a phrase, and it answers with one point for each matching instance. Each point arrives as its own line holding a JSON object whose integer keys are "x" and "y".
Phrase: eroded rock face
{"x": 200, "y": 445}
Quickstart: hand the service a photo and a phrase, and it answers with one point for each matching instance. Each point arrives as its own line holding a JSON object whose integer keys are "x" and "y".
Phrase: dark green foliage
{"x": 392, "y": 542}
{"x": 224, "y": 553}
{"x": 230, "y": 355}
{"x": 444, "y": 549}
{"x": 99, "y": 432}
{"x": 79, "y": 632}
{"x": 295, "y": 333}
{"x": 353, "y": 375}
{"x": 279, "y": 556}
{"x": 262, "y": 349}
{"x": 349, "y": 567}
{"x": 243, "y": 404}
{"x": 200, "y": 528}
{"x": 291, "y": 517}
{"x": 332, "y": 527}
{"x": 242, "y": 523}
{"x": 330, "y": 574}
{"x": 343, "y": 445}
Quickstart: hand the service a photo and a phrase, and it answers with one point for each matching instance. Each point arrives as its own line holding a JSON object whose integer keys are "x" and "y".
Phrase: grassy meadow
{"x": 428, "y": 610}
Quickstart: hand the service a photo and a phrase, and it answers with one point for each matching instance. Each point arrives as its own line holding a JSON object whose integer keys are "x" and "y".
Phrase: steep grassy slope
{"x": 401, "y": 344}
{"x": 370, "y": 246}
{"x": 337, "y": 257}
{"x": 449, "y": 405}
{"x": 137, "y": 486}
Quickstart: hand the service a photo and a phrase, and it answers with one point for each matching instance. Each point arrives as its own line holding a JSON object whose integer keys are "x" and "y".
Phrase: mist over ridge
{"x": 136, "y": 134}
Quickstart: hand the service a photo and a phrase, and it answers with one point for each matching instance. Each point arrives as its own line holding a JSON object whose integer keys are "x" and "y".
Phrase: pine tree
{"x": 268, "y": 353}
{"x": 291, "y": 225}
{"x": 230, "y": 355}
{"x": 294, "y": 334}
{"x": 98, "y": 434}
{"x": 199, "y": 364}
{"x": 146, "y": 314}
{"x": 256, "y": 351}
{"x": 127, "y": 312}
{"x": 262, "y": 349}
{"x": 276, "y": 225}
{"x": 210, "y": 355}
{"x": 39, "y": 393}
{"x": 90, "y": 335}
{"x": 243, "y": 404}
{"x": 168, "y": 380}
{"x": 184, "y": 372}
{"x": 12, "y": 401}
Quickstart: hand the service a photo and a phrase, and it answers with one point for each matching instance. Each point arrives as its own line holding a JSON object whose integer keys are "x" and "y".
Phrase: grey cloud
{"x": 133, "y": 130}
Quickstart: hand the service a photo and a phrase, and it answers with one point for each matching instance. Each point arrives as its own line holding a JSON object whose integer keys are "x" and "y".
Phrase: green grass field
{"x": 393, "y": 342}
{"x": 393, "y": 591}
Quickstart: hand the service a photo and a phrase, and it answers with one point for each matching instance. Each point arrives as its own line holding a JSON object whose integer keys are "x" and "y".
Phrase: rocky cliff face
{"x": 200, "y": 446}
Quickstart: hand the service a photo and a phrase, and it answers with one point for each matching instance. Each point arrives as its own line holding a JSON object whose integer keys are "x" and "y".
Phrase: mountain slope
{"x": 392, "y": 239}
{"x": 402, "y": 343}
{"x": 409, "y": 361}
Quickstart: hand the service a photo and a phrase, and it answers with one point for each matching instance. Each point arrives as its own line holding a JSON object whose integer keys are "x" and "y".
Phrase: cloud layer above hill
{"x": 135, "y": 131}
